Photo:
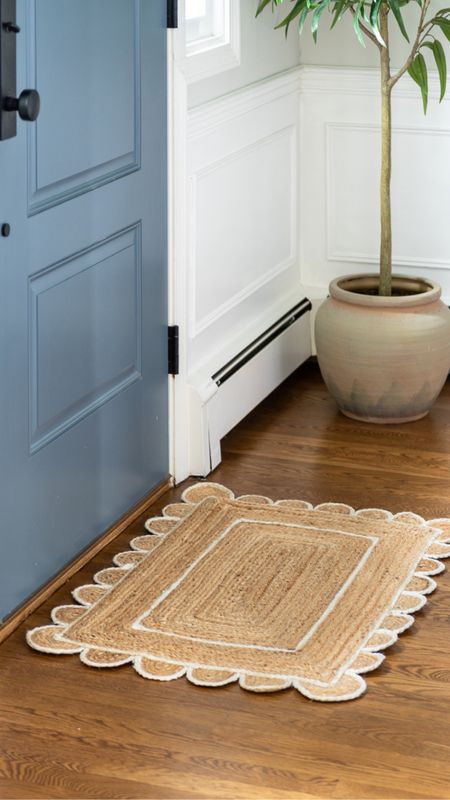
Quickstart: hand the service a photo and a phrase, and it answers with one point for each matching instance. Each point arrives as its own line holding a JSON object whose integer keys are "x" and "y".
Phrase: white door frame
{"x": 177, "y": 246}
{"x": 197, "y": 421}
{"x": 183, "y": 430}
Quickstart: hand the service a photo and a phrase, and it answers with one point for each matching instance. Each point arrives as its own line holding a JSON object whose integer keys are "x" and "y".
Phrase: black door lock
{"x": 27, "y": 105}
{"x": 5, "y": 229}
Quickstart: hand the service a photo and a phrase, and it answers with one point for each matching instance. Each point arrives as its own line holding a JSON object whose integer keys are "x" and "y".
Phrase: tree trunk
{"x": 385, "y": 287}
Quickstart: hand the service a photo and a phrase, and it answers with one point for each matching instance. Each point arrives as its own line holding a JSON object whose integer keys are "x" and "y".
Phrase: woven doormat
{"x": 273, "y": 595}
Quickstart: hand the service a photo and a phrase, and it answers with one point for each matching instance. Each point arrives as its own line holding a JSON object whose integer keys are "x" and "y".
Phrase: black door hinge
{"x": 172, "y": 13}
{"x": 173, "y": 349}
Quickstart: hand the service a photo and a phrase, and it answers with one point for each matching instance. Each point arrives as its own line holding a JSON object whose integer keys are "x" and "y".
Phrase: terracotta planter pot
{"x": 384, "y": 359}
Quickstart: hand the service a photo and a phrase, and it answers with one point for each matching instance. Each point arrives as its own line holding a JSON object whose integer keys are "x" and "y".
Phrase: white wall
{"x": 263, "y": 53}
{"x": 339, "y": 166}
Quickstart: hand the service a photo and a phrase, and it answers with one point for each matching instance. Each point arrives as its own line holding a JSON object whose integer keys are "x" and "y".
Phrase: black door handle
{"x": 27, "y": 105}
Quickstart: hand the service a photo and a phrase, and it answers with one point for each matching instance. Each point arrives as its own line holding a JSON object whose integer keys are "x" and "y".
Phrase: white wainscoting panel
{"x": 241, "y": 272}
{"x": 234, "y": 204}
{"x": 243, "y": 265}
{"x": 339, "y": 173}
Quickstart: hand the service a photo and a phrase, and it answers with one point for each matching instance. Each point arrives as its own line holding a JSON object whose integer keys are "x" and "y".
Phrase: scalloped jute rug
{"x": 273, "y": 595}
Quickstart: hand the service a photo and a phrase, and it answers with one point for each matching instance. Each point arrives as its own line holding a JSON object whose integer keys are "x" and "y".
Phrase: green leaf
{"x": 261, "y": 6}
{"x": 376, "y": 31}
{"x": 395, "y": 7}
{"x": 357, "y": 29}
{"x": 374, "y": 11}
{"x": 444, "y": 25}
{"x": 302, "y": 19}
{"x": 292, "y": 14}
{"x": 419, "y": 74}
{"x": 378, "y": 35}
{"x": 339, "y": 10}
{"x": 364, "y": 14}
{"x": 316, "y": 18}
{"x": 441, "y": 63}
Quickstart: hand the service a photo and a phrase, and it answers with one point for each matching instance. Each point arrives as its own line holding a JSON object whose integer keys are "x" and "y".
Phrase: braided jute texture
{"x": 273, "y": 595}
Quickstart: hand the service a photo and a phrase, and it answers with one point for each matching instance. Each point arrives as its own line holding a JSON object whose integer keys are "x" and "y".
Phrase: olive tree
{"x": 371, "y": 23}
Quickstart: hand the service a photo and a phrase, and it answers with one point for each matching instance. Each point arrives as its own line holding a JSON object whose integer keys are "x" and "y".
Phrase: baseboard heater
{"x": 219, "y": 401}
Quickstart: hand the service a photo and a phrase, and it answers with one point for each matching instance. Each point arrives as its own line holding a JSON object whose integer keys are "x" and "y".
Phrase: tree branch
{"x": 417, "y": 42}
{"x": 366, "y": 31}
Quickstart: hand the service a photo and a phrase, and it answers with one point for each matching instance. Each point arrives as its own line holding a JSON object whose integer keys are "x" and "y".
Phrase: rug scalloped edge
{"x": 302, "y": 685}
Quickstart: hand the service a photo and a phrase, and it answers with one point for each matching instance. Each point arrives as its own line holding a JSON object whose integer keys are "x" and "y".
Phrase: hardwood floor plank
{"x": 73, "y": 732}
{"x": 368, "y": 457}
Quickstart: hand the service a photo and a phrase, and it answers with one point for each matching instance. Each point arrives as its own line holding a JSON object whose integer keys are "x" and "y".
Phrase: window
{"x": 207, "y": 23}
{"x": 211, "y": 37}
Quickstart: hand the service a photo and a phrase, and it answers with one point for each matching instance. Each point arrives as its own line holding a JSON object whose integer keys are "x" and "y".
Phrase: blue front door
{"x": 83, "y": 273}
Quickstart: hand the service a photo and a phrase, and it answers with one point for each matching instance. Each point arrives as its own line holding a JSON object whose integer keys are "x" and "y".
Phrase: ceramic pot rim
{"x": 345, "y": 289}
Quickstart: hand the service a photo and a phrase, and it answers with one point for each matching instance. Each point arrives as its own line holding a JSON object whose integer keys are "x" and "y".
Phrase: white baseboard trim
{"x": 219, "y": 402}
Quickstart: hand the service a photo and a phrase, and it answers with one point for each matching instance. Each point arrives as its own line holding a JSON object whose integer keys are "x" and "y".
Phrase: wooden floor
{"x": 71, "y": 731}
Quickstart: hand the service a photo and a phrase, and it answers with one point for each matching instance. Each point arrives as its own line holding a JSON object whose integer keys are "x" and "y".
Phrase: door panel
{"x": 73, "y": 369}
{"x": 98, "y": 97}
{"x": 83, "y": 354}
